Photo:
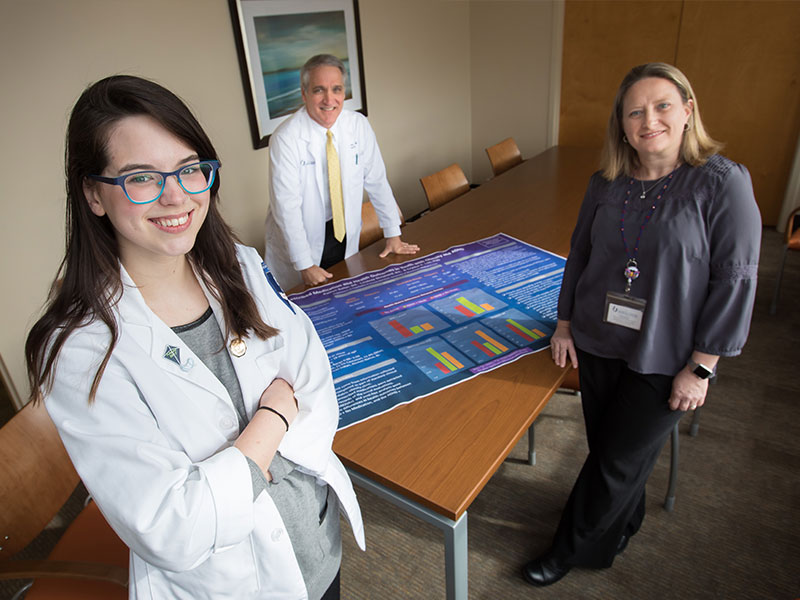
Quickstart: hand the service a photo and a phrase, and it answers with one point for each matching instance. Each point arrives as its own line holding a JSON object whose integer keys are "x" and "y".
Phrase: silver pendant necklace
{"x": 644, "y": 193}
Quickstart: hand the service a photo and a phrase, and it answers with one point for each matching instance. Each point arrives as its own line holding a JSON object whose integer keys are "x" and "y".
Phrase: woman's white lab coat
{"x": 295, "y": 227}
{"x": 156, "y": 452}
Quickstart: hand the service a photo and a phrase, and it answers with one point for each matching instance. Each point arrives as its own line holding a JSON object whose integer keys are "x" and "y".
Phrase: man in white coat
{"x": 314, "y": 218}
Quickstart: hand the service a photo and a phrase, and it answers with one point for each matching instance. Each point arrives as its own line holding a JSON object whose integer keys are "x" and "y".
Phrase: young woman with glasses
{"x": 194, "y": 399}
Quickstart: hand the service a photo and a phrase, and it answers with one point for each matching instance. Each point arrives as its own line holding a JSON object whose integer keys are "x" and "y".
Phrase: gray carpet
{"x": 733, "y": 533}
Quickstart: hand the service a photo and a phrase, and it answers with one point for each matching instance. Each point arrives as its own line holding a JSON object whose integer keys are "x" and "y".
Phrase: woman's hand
{"x": 688, "y": 391}
{"x": 279, "y": 396}
{"x": 562, "y": 347}
{"x": 260, "y": 439}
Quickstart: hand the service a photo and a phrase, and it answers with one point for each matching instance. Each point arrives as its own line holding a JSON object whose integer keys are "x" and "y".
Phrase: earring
{"x": 625, "y": 139}
{"x": 686, "y": 126}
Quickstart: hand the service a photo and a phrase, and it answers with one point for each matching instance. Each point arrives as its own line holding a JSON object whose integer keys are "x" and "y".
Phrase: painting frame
{"x": 268, "y": 36}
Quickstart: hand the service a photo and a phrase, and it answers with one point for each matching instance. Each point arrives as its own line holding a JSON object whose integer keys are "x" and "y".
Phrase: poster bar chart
{"x": 491, "y": 341}
{"x": 401, "y": 329}
{"x": 524, "y": 332}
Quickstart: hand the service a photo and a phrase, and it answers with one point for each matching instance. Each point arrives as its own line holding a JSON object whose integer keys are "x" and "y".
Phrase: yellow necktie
{"x": 335, "y": 189}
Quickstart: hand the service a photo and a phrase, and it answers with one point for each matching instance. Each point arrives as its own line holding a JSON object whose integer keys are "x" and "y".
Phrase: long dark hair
{"x": 88, "y": 282}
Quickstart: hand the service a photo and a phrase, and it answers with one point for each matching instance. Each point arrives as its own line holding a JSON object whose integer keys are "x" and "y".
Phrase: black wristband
{"x": 272, "y": 410}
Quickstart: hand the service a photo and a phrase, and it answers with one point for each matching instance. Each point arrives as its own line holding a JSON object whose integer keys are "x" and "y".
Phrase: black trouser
{"x": 332, "y": 593}
{"x": 628, "y": 420}
{"x": 333, "y": 250}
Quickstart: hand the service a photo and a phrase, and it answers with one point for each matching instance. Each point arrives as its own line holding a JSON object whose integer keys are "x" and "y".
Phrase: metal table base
{"x": 455, "y": 534}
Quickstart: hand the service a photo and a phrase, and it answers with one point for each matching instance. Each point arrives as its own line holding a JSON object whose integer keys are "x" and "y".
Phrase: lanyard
{"x": 631, "y": 271}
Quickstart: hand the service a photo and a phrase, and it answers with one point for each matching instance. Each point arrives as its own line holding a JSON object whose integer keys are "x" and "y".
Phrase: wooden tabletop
{"x": 441, "y": 450}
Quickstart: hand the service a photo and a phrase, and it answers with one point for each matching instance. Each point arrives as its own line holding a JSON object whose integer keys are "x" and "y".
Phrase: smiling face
{"x": 166, "y": 228}
{"x": 324, "y": 95}
{"x": 653, "y": 118}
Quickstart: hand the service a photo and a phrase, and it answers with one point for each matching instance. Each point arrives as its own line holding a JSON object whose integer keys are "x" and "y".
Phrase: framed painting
{"x": 274, "y": 38}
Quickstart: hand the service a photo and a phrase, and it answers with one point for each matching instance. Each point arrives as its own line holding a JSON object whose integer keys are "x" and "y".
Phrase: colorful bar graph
{"x": 525, "y": 329}
{"x": 482, "y": 348}
{"x": 491, "y": 340}
{"x": 449, "y": 357}
{"x": 519, "y": 332}
{"x": 470, "y": 305}
{"x": 464, "y": 311}
{"x": 441, "y": 358}
{"x": 401, "y": 329}
{"x": 414, "y": 329}
{"x": 492, "y": 348}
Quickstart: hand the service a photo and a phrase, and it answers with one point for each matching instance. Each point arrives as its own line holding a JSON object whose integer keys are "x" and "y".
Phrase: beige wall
{"x": 511, "y": 47}
{"x": 422, "y": 95}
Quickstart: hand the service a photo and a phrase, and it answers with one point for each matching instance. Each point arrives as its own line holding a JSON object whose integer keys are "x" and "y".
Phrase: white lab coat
{"x": 295, "y": 228}
{"x": 156, "y": 452}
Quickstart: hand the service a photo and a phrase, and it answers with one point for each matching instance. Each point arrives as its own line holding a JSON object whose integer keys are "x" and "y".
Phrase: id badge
{"x": 624, "y": 310}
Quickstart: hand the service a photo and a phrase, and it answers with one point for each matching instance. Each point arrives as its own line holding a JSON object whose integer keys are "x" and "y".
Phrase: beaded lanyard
{"x": 632, "y": 267}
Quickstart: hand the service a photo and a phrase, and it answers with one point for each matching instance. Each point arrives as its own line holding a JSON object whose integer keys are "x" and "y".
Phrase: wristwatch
{"x": 702, "y": 371}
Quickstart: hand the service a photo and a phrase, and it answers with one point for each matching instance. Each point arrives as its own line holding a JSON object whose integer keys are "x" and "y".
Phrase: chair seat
{"x": 90, "y": 539}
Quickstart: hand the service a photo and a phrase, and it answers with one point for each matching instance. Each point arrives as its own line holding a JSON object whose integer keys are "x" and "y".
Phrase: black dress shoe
{"x": 623, "y": 543}
{"x": 545, "y": 570}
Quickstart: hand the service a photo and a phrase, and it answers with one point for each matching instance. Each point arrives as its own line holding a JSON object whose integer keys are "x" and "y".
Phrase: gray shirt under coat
{"x": 698, "y": 257}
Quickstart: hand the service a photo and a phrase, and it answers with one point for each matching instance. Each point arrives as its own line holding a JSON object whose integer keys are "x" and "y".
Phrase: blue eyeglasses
{"x": 144, "y": 187}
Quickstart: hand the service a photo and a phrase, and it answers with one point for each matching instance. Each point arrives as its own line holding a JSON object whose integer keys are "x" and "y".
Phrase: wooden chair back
{"x": 370, "y": 227}
{"x": 444, "y": 186}
{"x": 371, "y": 230}
{"x": 503, "y": 156}
{"x": 36, "y": 479}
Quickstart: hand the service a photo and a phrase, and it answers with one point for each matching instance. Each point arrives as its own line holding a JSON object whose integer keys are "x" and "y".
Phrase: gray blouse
{"x": 698, "y": 261}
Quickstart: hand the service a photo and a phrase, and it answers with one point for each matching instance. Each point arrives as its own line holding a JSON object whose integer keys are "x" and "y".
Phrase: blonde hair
{"x": 619, "y": 158}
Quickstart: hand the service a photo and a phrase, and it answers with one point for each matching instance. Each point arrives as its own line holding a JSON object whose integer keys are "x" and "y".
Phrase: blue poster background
{"x": 410, "y": 329}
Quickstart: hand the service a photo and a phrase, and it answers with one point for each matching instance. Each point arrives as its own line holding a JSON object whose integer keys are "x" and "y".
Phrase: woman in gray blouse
{"x": 659, "y": 283}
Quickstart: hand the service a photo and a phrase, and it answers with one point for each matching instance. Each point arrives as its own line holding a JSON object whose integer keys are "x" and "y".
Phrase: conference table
{"x": 432, "y": 457}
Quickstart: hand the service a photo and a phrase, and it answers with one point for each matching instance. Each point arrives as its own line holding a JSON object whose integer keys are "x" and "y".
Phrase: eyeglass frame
{"x": 120, "y": 180}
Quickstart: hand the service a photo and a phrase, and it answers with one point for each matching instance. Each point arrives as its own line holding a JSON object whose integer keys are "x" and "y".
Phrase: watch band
{"x": 702, "y": 371}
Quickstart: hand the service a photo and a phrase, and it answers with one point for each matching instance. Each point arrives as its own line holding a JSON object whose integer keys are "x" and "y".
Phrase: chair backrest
{"x": 504, "y": 155}
{"x": 371, "y": 230}
{"x": 444, "y": 186}
{"x": 36, "y": 477}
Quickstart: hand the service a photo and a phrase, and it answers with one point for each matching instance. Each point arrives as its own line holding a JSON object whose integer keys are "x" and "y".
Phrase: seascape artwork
{"x": 285, "y": 42}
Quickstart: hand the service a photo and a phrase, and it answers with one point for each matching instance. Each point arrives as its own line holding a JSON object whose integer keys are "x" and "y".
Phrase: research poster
{"x": 411, "y": 329}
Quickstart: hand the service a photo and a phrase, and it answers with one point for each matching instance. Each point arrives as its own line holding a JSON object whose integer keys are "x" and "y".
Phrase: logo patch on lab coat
{"x": 277, "y": 288}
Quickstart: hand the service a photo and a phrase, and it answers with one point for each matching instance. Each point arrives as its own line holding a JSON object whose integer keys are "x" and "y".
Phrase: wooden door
{"x": 742, "y": 57}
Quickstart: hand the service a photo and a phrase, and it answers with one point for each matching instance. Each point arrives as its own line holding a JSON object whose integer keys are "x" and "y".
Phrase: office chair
{"x": 791, "y": 242}
{"x": 36, "y": 478}
{"x": 503, "y": 156}
{"x": 444, "y": 186}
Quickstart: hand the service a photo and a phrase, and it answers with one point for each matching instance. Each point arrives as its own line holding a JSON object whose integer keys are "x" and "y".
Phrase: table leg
{"x": 455, "y": 534}
{"x": 531, "y": 445}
